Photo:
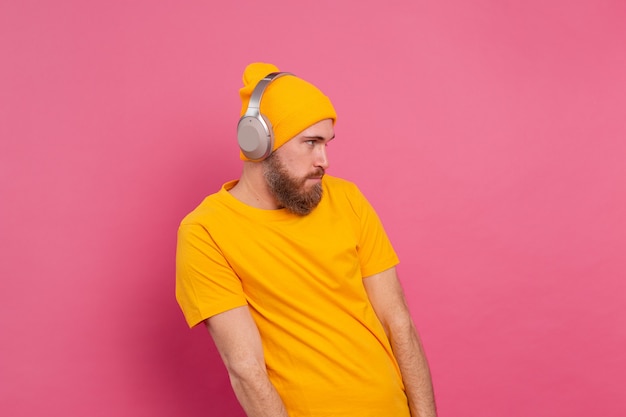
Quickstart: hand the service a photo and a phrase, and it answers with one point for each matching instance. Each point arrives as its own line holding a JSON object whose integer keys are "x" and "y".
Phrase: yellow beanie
{"x": 290, "y": 103}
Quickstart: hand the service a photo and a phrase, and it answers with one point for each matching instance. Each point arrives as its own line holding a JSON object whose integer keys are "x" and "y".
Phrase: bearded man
{"x": 293, "y": 274}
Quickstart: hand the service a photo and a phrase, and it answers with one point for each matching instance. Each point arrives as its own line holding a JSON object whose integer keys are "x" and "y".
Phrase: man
{"x": 294, "y": 276}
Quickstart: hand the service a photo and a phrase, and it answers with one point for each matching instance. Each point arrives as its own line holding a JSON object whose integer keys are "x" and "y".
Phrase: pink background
{"x": 490, "y": 135}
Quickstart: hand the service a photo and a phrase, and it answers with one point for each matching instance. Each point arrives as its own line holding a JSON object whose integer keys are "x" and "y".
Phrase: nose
{"x": 322, "y": 157}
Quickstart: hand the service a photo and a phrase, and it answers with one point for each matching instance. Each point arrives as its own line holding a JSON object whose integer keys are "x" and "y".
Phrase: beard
{"x": 289, "y": 191}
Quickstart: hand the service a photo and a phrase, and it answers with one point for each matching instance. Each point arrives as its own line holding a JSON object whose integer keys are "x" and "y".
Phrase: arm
{"x": 387, "y": 298}
{"x": 238, "y": 341}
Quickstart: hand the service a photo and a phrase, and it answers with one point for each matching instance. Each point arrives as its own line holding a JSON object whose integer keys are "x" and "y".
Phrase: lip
{"x": 314, "y": 180}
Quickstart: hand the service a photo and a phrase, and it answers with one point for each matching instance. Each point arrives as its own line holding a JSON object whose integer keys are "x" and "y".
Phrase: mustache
{"x": 318, "y": 173}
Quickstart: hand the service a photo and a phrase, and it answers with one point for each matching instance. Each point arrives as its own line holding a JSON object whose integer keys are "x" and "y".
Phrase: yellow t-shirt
{"x": 301, "y": 276}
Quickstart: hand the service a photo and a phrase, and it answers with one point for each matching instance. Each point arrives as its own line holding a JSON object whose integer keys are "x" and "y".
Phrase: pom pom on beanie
{"x": 290, "y": 103}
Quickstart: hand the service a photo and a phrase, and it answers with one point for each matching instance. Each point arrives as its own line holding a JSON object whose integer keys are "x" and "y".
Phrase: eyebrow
{"x": 319, "y": 138}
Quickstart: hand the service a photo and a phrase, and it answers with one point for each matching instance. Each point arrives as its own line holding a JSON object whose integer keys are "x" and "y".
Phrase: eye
{"x": 310, "y": 142}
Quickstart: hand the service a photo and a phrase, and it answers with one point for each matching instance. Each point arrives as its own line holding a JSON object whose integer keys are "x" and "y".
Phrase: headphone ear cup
{"x": 255, "y": 137}
{"x": 254, "y": 130}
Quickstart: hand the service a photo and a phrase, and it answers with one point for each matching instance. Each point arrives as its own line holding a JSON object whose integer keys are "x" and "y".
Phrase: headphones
{"x": 254, "y": 130}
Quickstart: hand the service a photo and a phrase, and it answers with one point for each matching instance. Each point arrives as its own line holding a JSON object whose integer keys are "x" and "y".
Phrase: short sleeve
{"x": 206, "y": 285}
{"x": 375, "y": 250}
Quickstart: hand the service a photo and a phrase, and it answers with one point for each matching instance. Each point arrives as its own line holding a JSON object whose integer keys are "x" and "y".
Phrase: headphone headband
{"x": 257, "y": 93}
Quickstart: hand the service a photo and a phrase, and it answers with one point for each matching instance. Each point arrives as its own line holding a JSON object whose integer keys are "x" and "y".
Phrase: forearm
{"x": 409, "y": 353}
{"x": 257, "y": 395}
{"x": 387, "y": 298}
{"x": 239, "y": 344}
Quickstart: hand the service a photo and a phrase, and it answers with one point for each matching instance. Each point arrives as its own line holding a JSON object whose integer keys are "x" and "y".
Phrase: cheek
{"x": 296, "y": 167}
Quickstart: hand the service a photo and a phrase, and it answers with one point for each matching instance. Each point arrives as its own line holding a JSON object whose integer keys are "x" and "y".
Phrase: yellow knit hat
{"x": 290, "y": 103}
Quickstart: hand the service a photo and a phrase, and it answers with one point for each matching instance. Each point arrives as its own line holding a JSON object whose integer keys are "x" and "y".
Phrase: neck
{"x": 251, "y": 189}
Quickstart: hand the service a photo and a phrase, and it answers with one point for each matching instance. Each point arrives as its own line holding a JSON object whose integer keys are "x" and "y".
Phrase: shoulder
{"x": 336, "y": 184}
{"x": 342, "y": 192}
{"x": 209, "y": 209}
